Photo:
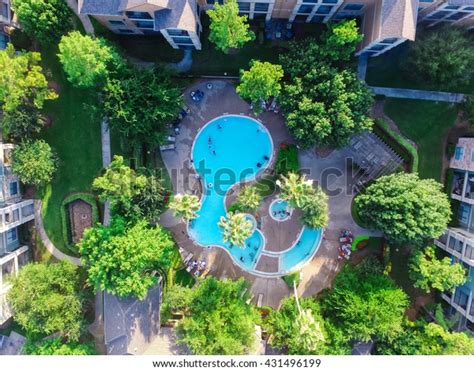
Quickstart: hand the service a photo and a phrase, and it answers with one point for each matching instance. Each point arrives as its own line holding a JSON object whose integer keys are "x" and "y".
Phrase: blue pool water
{"x": 229, "y": 150}
{"x": 280, "y": 209}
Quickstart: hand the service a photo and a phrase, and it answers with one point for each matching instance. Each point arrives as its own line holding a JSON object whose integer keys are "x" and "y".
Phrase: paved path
{"x": 85, "y": 20}
{"x": 184, "y": 65}
{"x": 47, "y": 242}
{"x": 106, "y": 159}
{"x": 437, "y": 96}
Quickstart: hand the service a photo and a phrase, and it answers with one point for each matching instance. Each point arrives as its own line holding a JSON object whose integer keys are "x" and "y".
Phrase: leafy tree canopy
{"x": 219, "y": 321}
{"x": 366, "y": 305}
{"x": 407, "y": 209}
{"x": 22, "y": 122}
{"x": 22, "y": 81}
{"x": 452, "y": 67}
{"x": 249, "y": 198}
{"x": 85, "y": 60}
{"x": 261, "y": 82}
{"x": 119, "y": 184}
{"x": 141, "y": 103}
{"x": 45, "y": 20}
{"x": 177, "y": 299}
{"x": 45, "y": 299}
{"x": 185, "y": 206}
{"x": 228, "y": 29}
{"x": 58, "y": 347}
{"x": 34, "y": 162}
{"x": 122, "y": 259}
{"x": 427, "y": 271}
{"x": 236, "y": 228}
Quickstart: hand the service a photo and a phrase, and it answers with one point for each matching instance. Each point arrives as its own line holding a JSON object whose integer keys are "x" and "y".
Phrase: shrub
{"x": 287, "y": 160}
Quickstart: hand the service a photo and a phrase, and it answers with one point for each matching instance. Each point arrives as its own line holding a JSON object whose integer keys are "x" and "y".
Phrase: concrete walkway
{"x": 85, "y": 20}
{"x": 106, "y": 159}
{"x": 47, "y": 242}
{"x": 437, "y": 96}
{"x": 184, "y": 65}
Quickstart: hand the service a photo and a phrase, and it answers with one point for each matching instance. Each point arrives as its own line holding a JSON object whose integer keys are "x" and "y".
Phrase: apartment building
{"x": 458, "y": 241}
{"x": 14, "y": 212}
{"x": 5, "y": 22}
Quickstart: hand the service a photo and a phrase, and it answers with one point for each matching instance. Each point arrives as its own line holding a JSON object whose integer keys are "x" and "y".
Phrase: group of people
{"x": 345, "y": 244}
{"x": 196, "y": 267}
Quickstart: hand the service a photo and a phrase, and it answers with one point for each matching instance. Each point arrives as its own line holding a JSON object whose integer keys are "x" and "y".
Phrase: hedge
{"x": 287, "y": 159}
{"x": 398, "y": 143}
{"x": 66, "y": 226}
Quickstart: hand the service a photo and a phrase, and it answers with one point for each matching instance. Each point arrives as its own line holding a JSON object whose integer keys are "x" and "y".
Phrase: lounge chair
{"x": 168, "y": 147}
{"x": 188, "y": 258}
{"x": 171, "y": 139}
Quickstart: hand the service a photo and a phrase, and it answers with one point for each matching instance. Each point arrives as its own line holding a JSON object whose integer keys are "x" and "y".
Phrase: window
{"x": 463, "y": 215}
{"x": 261, "y": 7}
{"x": 456, "y": 16}
{"x": 124, "y": 30}
{"x": 324, "y": 9}
{"x": 244, "y": 7}
{"x": 390, "y": 40}
{"x": 354, "y": 7}
{"x": 176, "y": 32}
{"x": 469, "y": 8}
{"x": 115, "y": 22}
{"x": 305, "y": 9}
{"x": 458, "y": 153}
{"x": 3, "y": 41}
{"x": 12, "y": 235}
{"x": 13, "y": 188}
{"x": 452, "y": 7}
{"x": 144, "y": 24}
{"x": 212, "y": 2}
{"x": 310, "y": 1}
{"x": 139, "y": 15}
{"x": 4, "y": 10}
{"x": 182, "y": 40}
{"x": 377, "y": 47}
{"x": 438, "y": 15}
{"x": 460, "y": 298}
{"x": 469, "y": 253}
{"x": 329, "y": 1}
{"x": 318, "y": 19}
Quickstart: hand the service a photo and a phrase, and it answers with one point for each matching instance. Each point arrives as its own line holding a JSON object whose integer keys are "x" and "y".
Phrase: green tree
{"x": 427, "y": 271}
{"x": 289, "y": 328}
{"x": 45, "y": 20}
{"x": 141, "y": 103}
{"x": 366, "y": 305}
{"x": 177, "y": 299}
{"x": 45, "y": 299}
{"x": 22, "y": 122}
{"x": 407, "y": 209}
{"x": 259, "y": 83}
{"x": 122, "y": 259}
{"x": 119, "y": 184}
{"x": 236, "y": 228}
{"x": 449, "y": 69}
{"x": 85, "y": 60}
{"x": 58, "y": 347}
{"x": 185, "y": 206}
{"x": 34, "y": 162}
{"x": 147, "y": 204}
{"x": 249, "y": 198}
{"x": 22, "y": 82}
{"x": 228, "y": 29}
{"x": 340, "y": 42}
{"x": 219, "y": 321}
{"x": 326, "y": 106}
{"x": 300, "y": 193}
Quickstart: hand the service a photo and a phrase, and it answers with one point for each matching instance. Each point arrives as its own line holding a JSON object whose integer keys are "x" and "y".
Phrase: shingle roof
{"x": 130, "y": 325}
{"x": 100, "y": 7}
{"x": 182, "y": 14}
{"x": 464, "y": 163}
{"x": 398, "y": 18}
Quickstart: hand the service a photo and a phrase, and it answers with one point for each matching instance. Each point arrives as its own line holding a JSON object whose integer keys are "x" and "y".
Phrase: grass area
{"x": 292, "y": 278}
{"x": 75, "y": 137}
{"x": 427, "y": 124}
{"x": 388, "y": 70}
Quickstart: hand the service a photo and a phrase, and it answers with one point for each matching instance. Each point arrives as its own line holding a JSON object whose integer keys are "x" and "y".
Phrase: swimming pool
{"x": 280, "y": 210}
{"x": 228, "y": 150}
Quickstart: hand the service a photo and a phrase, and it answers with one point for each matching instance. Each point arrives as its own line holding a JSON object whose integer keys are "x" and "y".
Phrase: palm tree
{"x": 296, "y": 189}
{"x": 185, "y": 206}
{"x": 236, "y": 228}
{"x": 315, "y": 211}
{"x": 249, "y": 198}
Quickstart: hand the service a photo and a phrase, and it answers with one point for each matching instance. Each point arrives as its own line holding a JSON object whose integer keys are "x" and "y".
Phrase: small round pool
{"x": 280, "y": 210}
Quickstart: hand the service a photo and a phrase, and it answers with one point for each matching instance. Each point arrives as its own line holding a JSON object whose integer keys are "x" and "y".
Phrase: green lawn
{"x": 75, "y": 137}
{"x": 426, "y": 123}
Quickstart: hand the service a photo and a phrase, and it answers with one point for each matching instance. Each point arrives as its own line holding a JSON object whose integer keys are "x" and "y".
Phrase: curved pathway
{"x": 47, "y": 242}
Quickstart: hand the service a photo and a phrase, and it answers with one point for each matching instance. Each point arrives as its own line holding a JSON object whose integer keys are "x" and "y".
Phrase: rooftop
{"x": 182, "y": 15}
{"x": 462, "y": 158}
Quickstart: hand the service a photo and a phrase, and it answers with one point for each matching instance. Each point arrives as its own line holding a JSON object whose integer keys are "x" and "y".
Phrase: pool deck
{"x": 319, "y": 272}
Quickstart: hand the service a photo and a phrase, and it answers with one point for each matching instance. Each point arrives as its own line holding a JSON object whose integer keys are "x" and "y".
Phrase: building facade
{"x": 384, "y": 23}
{"x": 5, "y": 22}
{"x": 458, "y": 241}
{"x": 14, "y": 212}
